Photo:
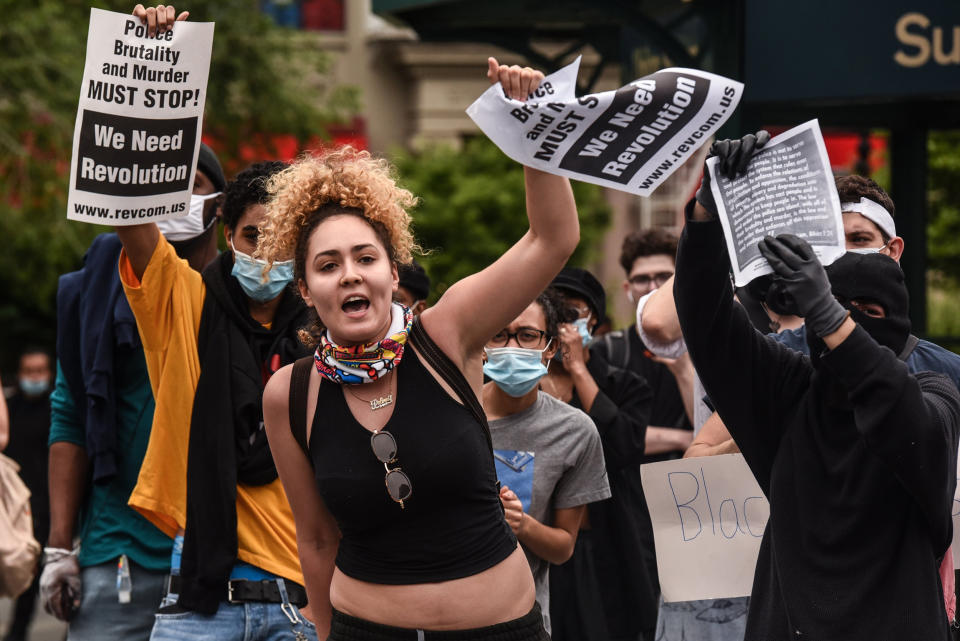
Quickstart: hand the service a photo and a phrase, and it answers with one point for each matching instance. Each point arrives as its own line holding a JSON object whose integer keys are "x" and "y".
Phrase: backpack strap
{"x": 299, "y": 391}
{"x": 908, "y": 348}
{"x": 611, "y": 340}
{"x": 625, "y": 362}
{"x": 451, "y": 374}
{"x": 455, "y": 379}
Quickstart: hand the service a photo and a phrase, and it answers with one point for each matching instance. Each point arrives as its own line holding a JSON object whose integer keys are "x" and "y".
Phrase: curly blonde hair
{"x": 343, "y": 181}
{"x": 343, "y": 178}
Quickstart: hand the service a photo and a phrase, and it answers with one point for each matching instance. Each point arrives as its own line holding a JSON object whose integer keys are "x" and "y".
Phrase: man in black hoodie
{"x": 856, "y": 455}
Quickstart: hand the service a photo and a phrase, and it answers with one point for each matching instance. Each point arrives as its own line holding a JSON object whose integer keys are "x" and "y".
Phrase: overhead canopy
{"x": 850, "y": 64}
{"x": 673, "y": 28}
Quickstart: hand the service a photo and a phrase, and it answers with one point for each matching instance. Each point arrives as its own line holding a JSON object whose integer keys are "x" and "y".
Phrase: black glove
{"x": 734, "y": 157}
{"x": 800, "y": 285}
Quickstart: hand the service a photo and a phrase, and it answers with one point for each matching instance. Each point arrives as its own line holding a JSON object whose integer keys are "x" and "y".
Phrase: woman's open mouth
{"x": 355, "y": 306}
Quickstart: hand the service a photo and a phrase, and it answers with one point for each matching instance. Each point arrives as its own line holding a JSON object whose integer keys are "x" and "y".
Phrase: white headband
{"x": 873, "y": 212}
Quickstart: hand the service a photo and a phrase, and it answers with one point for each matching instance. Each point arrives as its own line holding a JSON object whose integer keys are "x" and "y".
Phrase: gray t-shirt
{"x": 550, "y": 455}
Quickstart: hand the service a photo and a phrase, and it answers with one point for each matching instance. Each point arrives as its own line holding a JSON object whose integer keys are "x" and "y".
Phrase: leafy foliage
{"x": 943, "y": 236}
{"x": 473, "y": 209}
{"x": 943, "y": 228}
{"x": 264, "y": 80}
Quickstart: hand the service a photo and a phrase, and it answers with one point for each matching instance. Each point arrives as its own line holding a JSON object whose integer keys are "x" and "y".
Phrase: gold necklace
{"x": 375, "y": 403}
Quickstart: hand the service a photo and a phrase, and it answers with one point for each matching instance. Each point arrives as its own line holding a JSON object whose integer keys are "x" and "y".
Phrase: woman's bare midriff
{"x": 498, "y": 594}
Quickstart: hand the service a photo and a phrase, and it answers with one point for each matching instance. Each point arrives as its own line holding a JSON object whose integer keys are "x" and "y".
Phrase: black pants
{"x": 529, "y": 627}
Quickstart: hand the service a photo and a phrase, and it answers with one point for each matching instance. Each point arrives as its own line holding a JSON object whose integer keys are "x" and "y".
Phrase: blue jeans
{"x": 235, "y": 622}
{"x": 102, "y": 616}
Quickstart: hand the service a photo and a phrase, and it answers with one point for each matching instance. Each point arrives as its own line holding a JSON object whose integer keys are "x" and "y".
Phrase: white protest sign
{"x": 631, "y": 139}
{"x": 708, "y": 517}
{"x": 788, "y": 189}
{"x": 139, "y": 121}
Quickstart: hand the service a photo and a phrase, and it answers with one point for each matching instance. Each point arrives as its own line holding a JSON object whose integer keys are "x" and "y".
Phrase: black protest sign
{"x": 120, "y": 156}
{"x": 631, "y": 130}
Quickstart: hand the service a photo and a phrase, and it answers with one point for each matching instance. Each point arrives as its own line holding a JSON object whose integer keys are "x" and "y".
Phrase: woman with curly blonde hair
{"x": 379, "y": 439}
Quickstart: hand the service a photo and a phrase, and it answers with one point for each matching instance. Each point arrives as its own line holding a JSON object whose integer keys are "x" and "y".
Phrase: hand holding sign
{"x": 518, "y": 82}
{"x": 158, "y": 19}
{"x": 782, "y": 186}
{"x": 733, "y": 157}
{"x": 800, "y": 285}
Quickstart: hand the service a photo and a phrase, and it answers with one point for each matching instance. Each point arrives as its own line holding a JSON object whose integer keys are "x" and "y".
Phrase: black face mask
{"x": 891, "y": 331}
{"x": 873, "y": 278}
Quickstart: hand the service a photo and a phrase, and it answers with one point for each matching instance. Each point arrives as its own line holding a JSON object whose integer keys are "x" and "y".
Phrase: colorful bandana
{"x": 364, "y": 363}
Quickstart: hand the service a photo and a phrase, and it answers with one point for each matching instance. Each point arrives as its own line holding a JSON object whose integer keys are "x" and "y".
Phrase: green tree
{"x": 943, "y": 235}
{"x": 264, "y": 80}
{"x": 473, "y": 208}
{"x": 943, "y": 228}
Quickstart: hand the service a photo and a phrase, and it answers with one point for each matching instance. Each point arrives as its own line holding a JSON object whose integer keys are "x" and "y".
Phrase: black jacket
{"x": 860, "y": 492}
{"x": 613, "y": 592}
{"x": 227, "y": 442}
{"x": 624, "y": 349}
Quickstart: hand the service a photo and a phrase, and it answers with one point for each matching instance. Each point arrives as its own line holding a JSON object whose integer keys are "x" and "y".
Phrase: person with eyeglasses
{"x": 647, "y": 258}
{"x": 605, "y": 591}
{"x": 387, "y": 556}
{"x": 549, "y": 456}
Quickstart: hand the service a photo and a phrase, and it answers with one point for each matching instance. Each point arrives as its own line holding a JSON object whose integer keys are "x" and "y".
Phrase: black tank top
{"x": 452, "y": 525}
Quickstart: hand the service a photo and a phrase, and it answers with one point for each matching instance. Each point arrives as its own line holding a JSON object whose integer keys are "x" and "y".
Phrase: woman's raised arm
{"x": 475, "y": 308}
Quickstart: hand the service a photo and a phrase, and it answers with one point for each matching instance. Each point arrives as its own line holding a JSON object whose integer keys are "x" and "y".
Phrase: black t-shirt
{"x": 610, "y": 588}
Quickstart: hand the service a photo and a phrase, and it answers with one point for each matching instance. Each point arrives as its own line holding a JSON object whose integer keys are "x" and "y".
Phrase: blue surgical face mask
{"x": 582, "y": 325}
{"x": 515, "y": 370}
{"x": 249, "y": 272}
{"x": 34, "y": 387}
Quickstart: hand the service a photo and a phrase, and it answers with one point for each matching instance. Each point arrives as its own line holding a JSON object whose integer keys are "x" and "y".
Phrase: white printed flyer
{"x": 631, "y": 139}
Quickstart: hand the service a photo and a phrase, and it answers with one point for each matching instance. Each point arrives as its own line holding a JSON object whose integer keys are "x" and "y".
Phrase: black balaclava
{"x": 872, "y": 278}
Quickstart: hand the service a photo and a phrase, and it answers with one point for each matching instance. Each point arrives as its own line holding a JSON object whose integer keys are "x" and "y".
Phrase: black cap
{"x": 582, "y": 283}
{"x": 210, "y": 166}
{"x": 414, "y": 278}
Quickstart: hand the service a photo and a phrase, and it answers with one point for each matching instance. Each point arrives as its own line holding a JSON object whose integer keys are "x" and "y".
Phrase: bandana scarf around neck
{"x": 365, "y": 363}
